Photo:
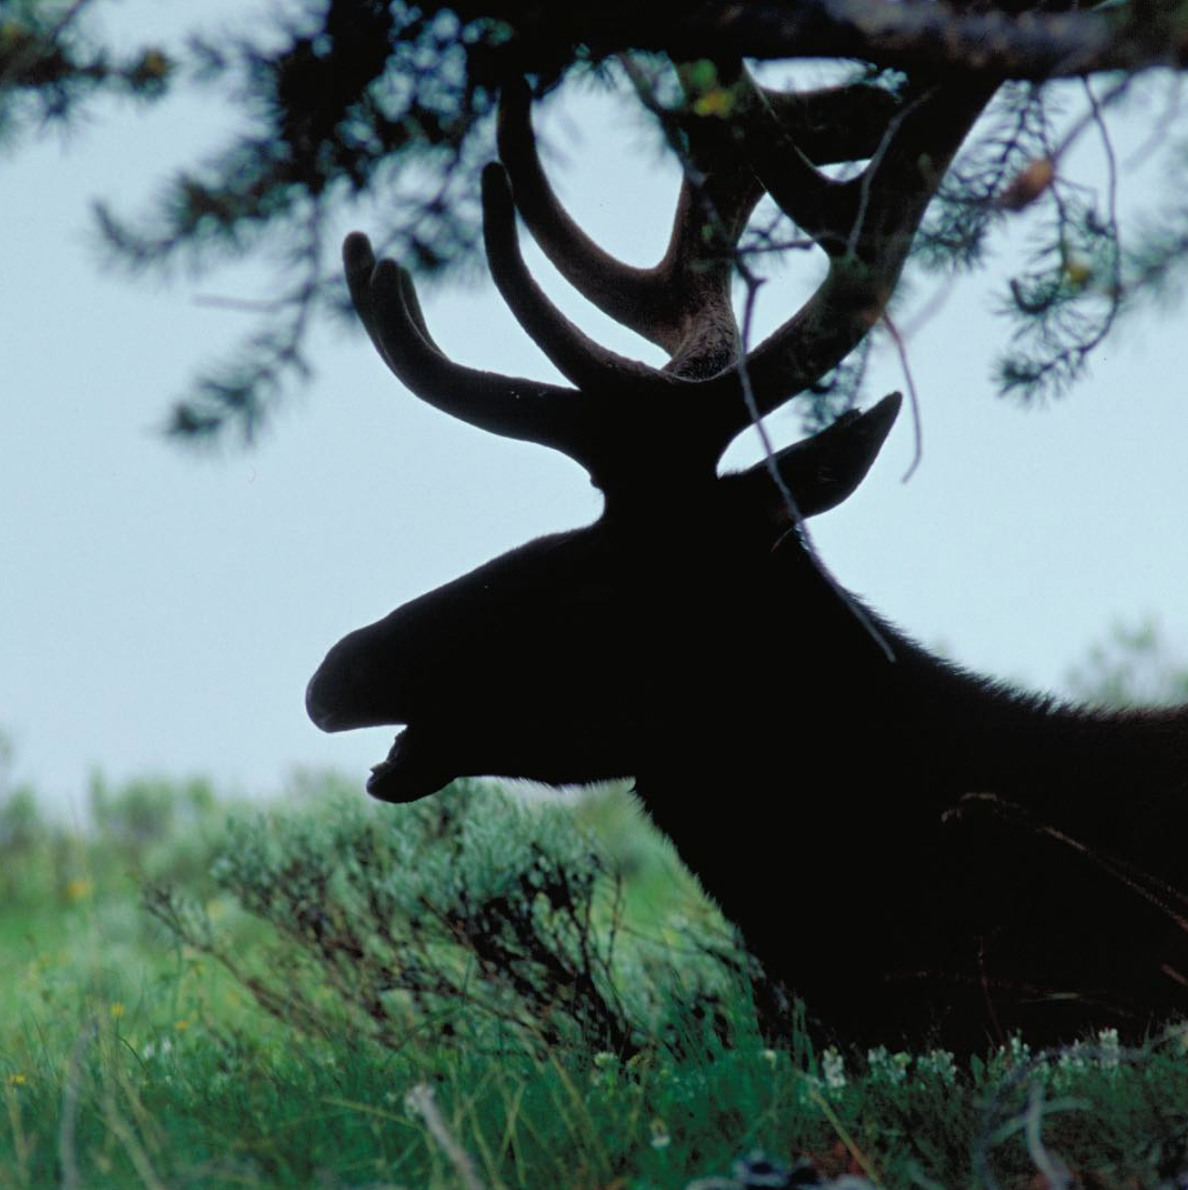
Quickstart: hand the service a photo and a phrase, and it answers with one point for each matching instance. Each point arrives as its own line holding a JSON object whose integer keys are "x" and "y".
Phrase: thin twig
{"x": 132, "y": 1146}
{"x": 777, "y": 246}
{"x": 860, "y": 1158}
{"x": 913, "y": 397}
{"x": 420, "y": 1099}
{"x": 67, "y": 1157}
{"x": 1092, "y": 116}
{"x": 929, "y": 310}
{"x": 1107, "y": 147}
{"x": 250, "y": 305}
{"x": 859, "y": 613}
{"x": 866, "y": 178}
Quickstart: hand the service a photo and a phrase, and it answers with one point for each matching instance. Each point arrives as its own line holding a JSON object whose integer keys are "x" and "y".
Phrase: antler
{"x": 624, "y": 419}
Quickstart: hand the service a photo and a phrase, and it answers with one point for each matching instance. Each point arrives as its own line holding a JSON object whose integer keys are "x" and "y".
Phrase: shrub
{"x": 470, "y": 915}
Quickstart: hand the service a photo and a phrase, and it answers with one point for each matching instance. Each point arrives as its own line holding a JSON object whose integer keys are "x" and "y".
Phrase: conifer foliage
{"x": 340, "y": 99}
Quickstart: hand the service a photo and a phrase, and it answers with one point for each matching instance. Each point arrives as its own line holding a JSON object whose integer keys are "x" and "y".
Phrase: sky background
{"x": 161, "y": 611}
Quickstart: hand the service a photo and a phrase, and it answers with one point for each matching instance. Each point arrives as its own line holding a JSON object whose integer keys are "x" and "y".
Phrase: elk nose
{"x": 328, "y": 702}
{"x": 343, "y": 693}
{"x": 322, "y": 715}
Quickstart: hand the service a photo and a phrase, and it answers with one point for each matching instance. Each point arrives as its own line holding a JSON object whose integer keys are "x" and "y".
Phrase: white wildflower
{"x": 939, "y": 1064}
{"x": 833, "y": 1069}
{"x": 1110, "y": 1052}
{"x": 1018, "y": 1051}
{"x": 1071, "y": 1064}
{"x": 888, "y": 1068}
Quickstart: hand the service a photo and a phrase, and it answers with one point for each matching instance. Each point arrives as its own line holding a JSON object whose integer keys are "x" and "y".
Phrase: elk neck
{"x": 1089, "y": 770}
{"x": 765, "y": 676}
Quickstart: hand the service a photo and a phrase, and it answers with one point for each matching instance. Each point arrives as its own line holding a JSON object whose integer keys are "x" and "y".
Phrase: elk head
{"x": 557, "y": 661}
{"x": 565, "y": 659}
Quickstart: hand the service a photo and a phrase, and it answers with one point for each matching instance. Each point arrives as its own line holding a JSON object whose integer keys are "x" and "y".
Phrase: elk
{"x": 918, "y": 852}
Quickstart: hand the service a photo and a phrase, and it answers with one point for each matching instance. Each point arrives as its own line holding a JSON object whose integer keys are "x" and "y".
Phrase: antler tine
{"x": 385, "y": 299}
{"x": 893, "y": 194}
{"x": 822, "y": 207}
{"x": 630, "y": 295}
{"x": 587, "y": 364}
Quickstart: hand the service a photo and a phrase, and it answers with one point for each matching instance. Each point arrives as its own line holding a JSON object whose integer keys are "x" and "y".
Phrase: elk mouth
{"x": 411, "y": 770}
{"x": 341, "y": 696}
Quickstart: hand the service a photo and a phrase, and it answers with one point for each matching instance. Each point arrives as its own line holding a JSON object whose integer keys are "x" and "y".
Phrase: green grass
{"x": 468, "y": 993}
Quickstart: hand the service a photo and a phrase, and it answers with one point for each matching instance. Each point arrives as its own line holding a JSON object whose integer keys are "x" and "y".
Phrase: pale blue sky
{"x": 161, "y": 612}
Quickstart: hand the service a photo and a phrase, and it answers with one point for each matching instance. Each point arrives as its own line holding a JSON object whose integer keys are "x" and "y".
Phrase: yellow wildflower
{"x": 716, "y": 102}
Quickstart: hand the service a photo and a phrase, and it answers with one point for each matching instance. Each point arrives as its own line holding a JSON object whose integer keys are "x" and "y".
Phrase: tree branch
{"x": 905, "y": 34}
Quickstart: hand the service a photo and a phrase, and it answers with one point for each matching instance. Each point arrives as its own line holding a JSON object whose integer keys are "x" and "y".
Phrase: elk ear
{"x": 823, "y": 470}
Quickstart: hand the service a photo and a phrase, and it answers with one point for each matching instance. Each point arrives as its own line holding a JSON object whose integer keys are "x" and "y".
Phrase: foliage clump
{"x": 467, "y": 906}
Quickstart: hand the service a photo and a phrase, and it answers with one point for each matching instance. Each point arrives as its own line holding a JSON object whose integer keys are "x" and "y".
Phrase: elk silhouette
{"x": 919, "y": 852}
